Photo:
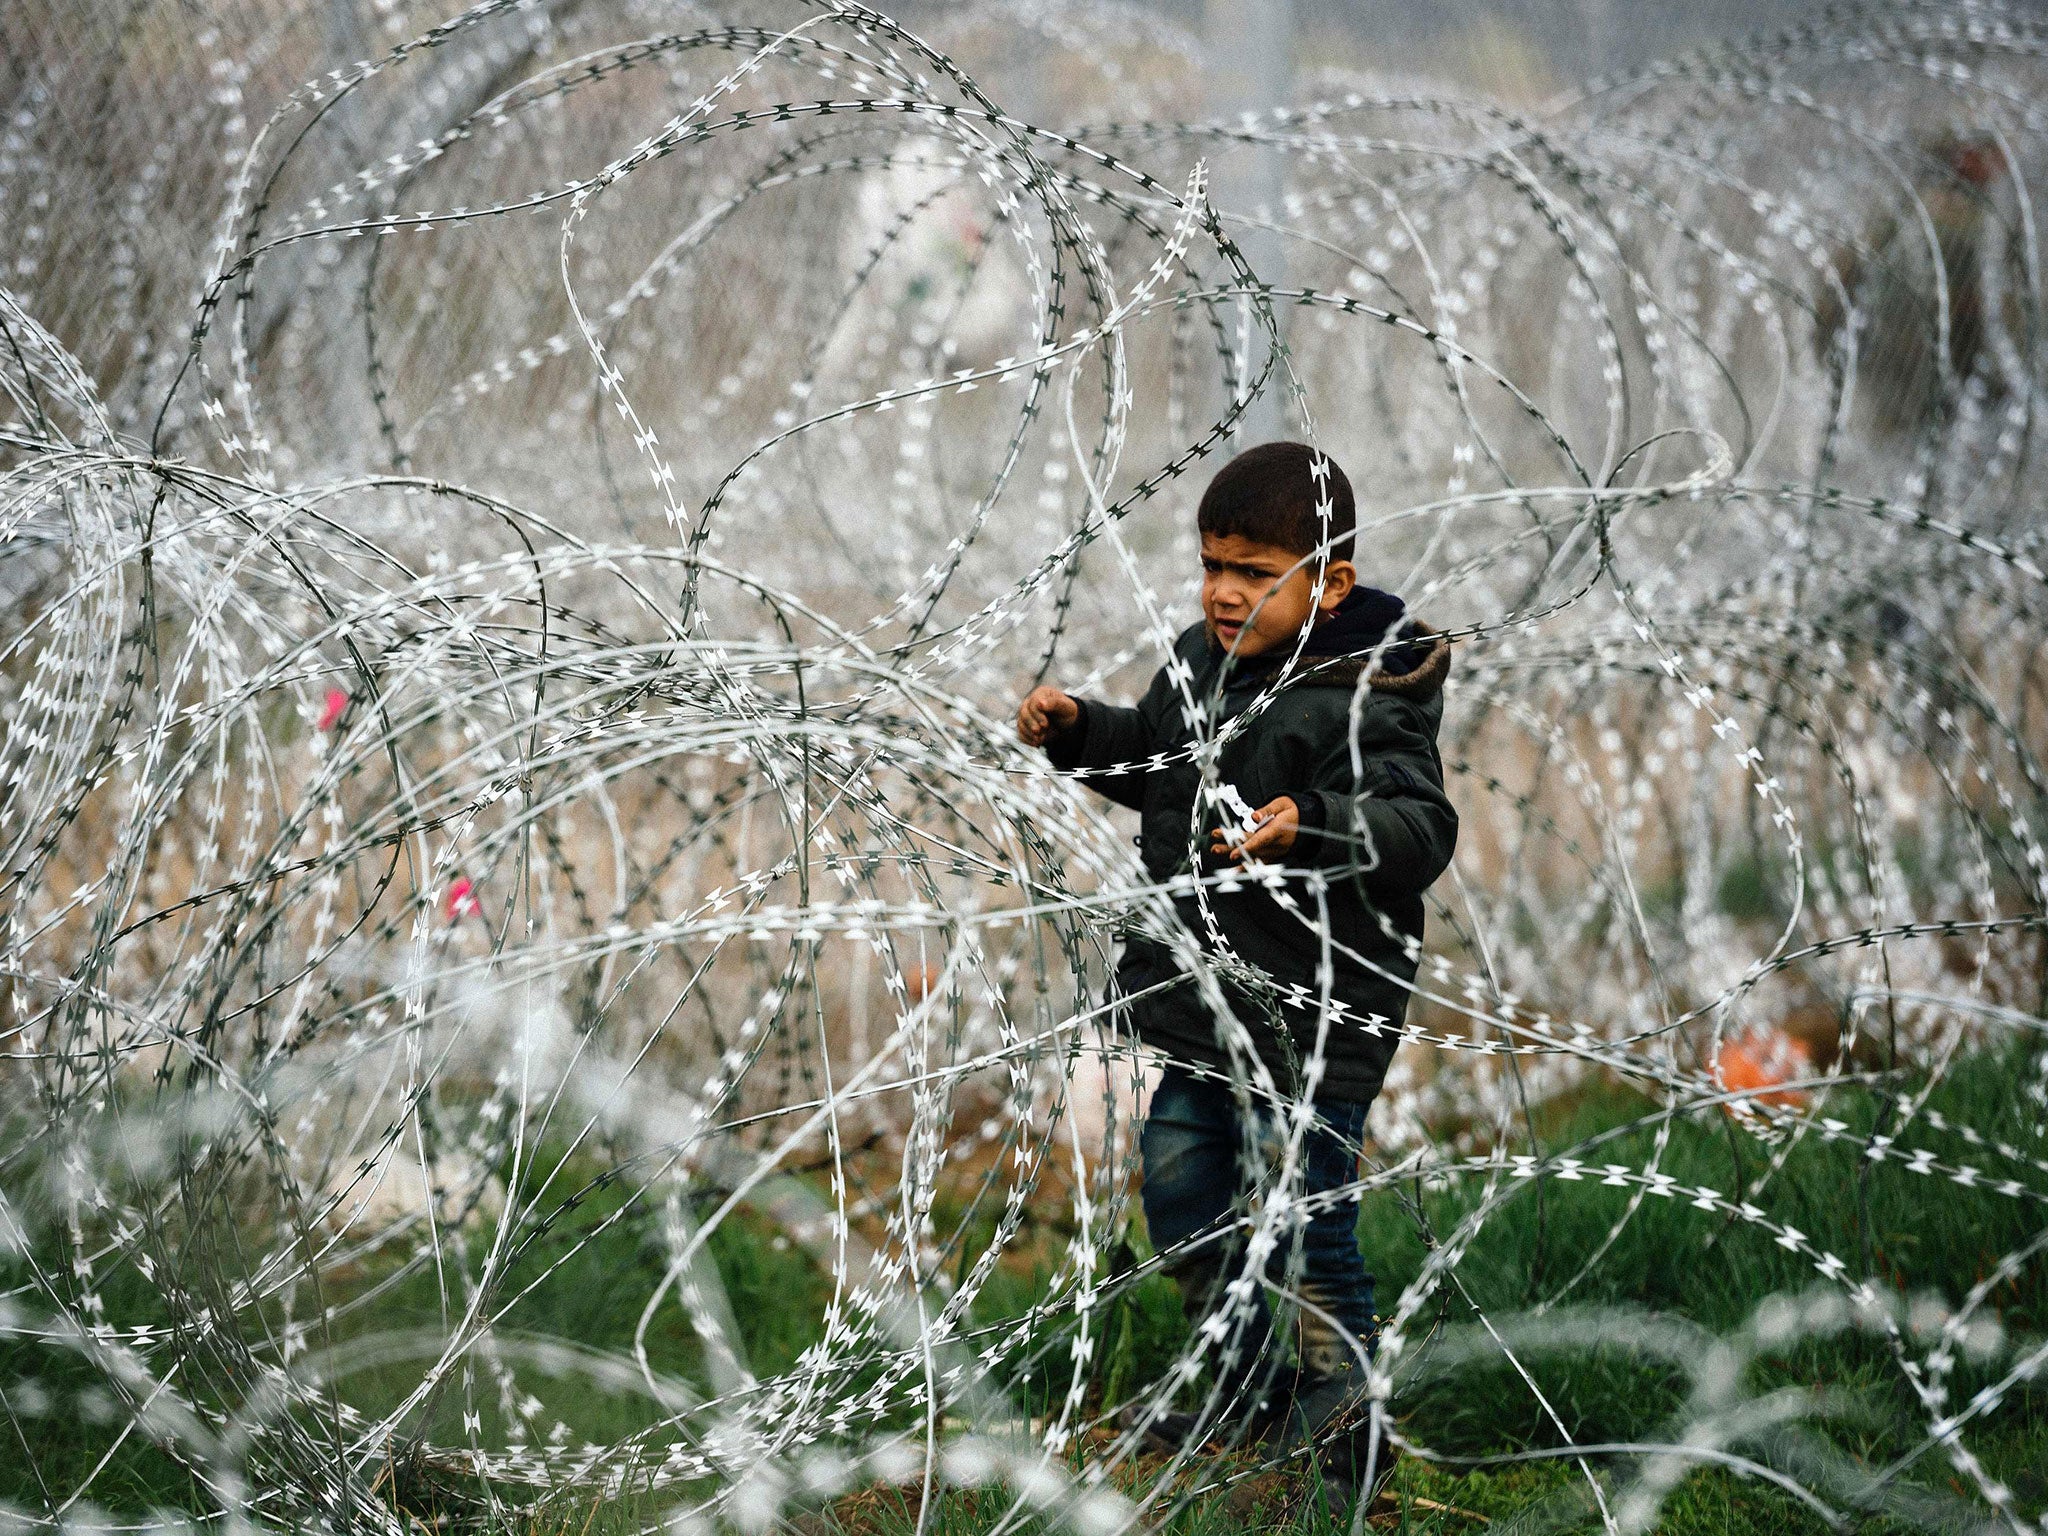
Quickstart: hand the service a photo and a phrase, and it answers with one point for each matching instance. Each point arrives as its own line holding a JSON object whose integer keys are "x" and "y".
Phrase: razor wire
{"x": 522, "y": 551}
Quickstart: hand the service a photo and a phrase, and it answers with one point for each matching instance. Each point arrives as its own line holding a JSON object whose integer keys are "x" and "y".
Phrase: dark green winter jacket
{"x": 1382, "y": 831}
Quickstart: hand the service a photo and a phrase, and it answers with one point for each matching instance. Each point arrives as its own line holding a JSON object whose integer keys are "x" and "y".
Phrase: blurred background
{"x": 521, "y": 532}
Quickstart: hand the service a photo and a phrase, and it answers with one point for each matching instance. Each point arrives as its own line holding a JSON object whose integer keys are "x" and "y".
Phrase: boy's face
{"x": 1256, "y": 597}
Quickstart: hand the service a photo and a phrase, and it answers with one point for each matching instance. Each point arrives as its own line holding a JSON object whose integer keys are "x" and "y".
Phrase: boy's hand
{"x": 1278, "y": 822}
{"x": 1045, "y": 713}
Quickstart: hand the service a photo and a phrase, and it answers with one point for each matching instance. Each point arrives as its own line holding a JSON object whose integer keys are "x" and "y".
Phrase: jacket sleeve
{"x": 1108, "y": 735}
{"x": 1389, "y": 821}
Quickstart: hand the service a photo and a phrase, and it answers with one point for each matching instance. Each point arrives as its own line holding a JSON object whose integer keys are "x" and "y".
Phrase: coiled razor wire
{"x": 520, "y": 555}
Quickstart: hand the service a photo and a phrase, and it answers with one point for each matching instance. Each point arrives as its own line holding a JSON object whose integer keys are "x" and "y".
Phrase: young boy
{"x": 1362, "y": 800}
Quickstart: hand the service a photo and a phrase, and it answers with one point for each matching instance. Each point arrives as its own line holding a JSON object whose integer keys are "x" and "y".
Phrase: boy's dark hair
{"x": 1269, "y": 494}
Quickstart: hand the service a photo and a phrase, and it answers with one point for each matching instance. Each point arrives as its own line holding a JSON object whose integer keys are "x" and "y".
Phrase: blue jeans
{"x": 1196, "y": 1151}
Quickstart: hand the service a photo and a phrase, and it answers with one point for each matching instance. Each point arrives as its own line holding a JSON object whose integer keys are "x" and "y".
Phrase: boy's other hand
{"x": 1277, "y": 823}
{"x": 1046, "y": 713}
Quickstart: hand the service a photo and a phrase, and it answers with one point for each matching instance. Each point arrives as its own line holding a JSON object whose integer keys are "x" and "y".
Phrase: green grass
{"x": 1915, "y": 1233}
{"x": 601, "y": 1256}
{"x": 1919, "y": 1233}
{"x": 597, "y": 1264}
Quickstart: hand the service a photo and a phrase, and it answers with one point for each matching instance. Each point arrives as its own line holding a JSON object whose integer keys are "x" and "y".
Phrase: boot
{"x": 1333, "y": 1414}
{"x": 1246, "y": 1419}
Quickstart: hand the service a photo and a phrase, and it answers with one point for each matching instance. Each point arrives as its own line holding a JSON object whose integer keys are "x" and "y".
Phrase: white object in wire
{"x": 1243, "y": 820}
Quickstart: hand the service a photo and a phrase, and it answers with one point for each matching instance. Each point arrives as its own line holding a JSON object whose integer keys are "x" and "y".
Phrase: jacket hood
{"x": 1341, "y": 646}
{"x": 1359, "y": 623}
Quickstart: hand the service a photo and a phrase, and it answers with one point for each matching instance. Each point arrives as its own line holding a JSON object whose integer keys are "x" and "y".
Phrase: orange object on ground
{"x": 1763, "y": 1058}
